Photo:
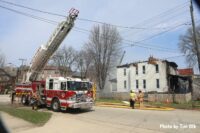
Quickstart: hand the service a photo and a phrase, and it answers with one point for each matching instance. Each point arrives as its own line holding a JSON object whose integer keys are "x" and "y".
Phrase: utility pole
{"x": 194, "y": 35}
{"x": 22, "y": 60}
{"x": 196, "y": 46}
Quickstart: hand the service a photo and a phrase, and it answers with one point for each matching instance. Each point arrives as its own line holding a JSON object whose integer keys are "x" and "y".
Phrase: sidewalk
{"x": 14, "y": 124}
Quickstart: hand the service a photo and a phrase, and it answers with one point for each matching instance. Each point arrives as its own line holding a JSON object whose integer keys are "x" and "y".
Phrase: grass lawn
{"x": 176, "y": 105}
{"x": 155, "y": 104}
{"x": 35, "y": 117}
{"x": 108, "y": 101}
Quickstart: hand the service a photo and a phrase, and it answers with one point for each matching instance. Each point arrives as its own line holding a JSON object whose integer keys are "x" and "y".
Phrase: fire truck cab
{"x": 63, "y": 93}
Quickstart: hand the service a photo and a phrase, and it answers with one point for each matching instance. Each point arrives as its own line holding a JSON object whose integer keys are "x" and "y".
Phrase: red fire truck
{"x": 55, "y": 92}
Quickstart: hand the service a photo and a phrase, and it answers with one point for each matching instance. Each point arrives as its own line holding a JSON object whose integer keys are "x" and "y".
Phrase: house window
{"x": 157, "y": 69}
{"x": 124, "y": 72}
{"x": 137, "y": 84}
{"x": 144, "y": 84}
{"x": 136, "y": 71}
{"x": 51, "y": 84}
{"x": 143, "y": 69}
{"x": 157, "y": 83}
{"x": 124, "y": 84}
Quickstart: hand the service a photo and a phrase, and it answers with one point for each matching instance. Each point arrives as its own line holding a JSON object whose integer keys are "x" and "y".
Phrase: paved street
{"x": 112, "y": 120}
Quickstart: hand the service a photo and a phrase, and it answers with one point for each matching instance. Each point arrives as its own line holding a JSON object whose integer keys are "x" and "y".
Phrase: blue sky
{"x": 20, "y": 36}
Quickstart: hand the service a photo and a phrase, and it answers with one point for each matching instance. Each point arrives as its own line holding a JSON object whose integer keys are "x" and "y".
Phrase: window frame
{"x": 61, "y": 86}
{"x": 51, "y": 84}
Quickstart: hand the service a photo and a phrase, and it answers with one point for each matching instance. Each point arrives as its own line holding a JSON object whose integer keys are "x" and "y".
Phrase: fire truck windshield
{"x": 74, "y": 85}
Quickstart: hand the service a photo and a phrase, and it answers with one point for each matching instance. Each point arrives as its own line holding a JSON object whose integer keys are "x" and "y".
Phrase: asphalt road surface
{"x": 115, "y": 120}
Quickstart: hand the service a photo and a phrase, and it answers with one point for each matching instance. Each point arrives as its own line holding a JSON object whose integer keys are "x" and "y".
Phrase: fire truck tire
{"x": 24, "y": 100}
{"x": 55, "y": 105}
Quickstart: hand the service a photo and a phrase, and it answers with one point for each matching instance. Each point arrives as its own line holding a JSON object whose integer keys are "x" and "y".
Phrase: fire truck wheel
{"x": 55, "y": 105}
{"x": 24, "y": 100}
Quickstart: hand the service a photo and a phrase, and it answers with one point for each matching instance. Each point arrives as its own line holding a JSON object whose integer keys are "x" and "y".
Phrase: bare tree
{"x": 2, "y": 60}
{"x": 65, "y": 57}
{"x": 187, "y": 45}
{"x": 103, "y": 46}
{"x": 84, "y": 63}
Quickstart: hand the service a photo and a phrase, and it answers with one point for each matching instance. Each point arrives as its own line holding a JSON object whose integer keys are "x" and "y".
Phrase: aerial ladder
{"x": 45, "y": 52}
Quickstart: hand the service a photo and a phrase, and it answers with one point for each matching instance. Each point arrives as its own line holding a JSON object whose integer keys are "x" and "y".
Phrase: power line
{"x": 163, "y": 14}
{"x": 187, "y": 23}
{"x": 157, "y": 24}
{"x": 157, "y": 46}
{"x": 31, "y": 16}
{"x": 55, "y": 22}
{"x": 33, "y": 9}
{"x": 120, "y": 26}
{"x": 178, "y": 56}
{"x": 146, "y": 47}
{"x": 136, "y": 27}
{"x": 158, "y": 34}
{"x": 132, "y": 43}
{"x": 81, "y": 19}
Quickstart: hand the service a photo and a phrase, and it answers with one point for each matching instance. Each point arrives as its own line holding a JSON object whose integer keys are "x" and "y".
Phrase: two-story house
{"x": 151, "y": 75}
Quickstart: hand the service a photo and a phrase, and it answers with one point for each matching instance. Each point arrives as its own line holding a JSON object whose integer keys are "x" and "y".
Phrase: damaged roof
{"x": 151, "y": 60}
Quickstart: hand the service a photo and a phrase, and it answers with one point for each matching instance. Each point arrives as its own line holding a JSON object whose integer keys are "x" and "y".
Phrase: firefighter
{"x": 132, "y": 99}
{"x": 13, "y": 93}
{"x": 140, "y": 98}
{"x": 34, "y": 101}
{"x": 94, "y": 91}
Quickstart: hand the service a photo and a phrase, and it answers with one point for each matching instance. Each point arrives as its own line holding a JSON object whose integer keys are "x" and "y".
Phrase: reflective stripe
{"x": 49, "y": 99}
{"x": 18, "y": 88}
{"x": 70, "y": 102}
{"x": 63, "y": 101}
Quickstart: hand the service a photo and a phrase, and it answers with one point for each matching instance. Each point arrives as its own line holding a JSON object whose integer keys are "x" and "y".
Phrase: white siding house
{"x": 151, "y": 75}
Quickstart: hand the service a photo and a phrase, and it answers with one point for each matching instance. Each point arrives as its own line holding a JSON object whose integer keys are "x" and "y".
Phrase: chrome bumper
{"x": 81, "y": 105}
